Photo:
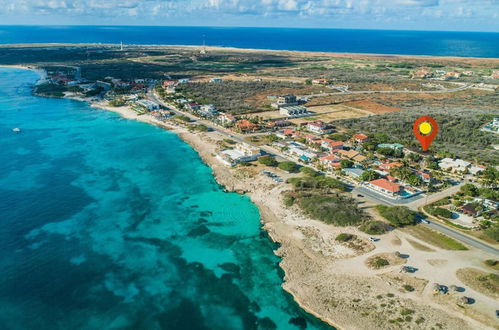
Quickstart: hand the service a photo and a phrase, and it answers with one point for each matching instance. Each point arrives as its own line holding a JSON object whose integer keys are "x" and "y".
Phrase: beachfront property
{"x": 149, "y": 105}
{"x": 294, "y": 111}
{"x": 287, "y": 100}
{"x": 319, "y": 127}
{"x": 226, "y": 119}
{"x": 207, "y": 110}
{"x": 386, "y": 187}
{"x": 241, "y": 153}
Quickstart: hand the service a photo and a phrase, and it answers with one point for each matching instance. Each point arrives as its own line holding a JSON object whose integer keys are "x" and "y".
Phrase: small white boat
{"x": 16, "y": 130}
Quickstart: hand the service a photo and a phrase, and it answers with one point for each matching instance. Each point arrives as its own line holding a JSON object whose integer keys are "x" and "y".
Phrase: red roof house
{"x": 386, "y": 187}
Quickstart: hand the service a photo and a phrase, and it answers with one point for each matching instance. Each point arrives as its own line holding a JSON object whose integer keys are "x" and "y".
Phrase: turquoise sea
{"x": 107, "y": 223}
{"x": 438, "y": 43}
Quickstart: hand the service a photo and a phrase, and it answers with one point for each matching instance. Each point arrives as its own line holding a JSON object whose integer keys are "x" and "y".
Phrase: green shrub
{"x": 288, "y": 200}
{"x": 268, "y": 160}
{"x": 380, "y": 262}
{"x": 343, "y": 237}
{"x": 439, "y": 212}
{"x": 493, "y": 232}
{"x": 288, "y": 166}
{"x": 490, "y": 262}
{"x": 408, "y": 288}
{"x": 374, "y": 227}
{"x": 337, "y": 210}
{"x": 398, "y": 216}
{"x": 308, "y": 171}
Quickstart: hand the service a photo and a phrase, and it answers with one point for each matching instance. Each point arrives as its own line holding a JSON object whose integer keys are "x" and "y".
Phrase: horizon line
{"x": 242, "y": 27}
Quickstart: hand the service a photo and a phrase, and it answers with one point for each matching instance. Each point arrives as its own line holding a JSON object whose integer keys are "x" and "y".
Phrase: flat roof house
{"x": 149, "y": 105}
{"x": 454, "y": 165}
{"x": 285, "y": 101}
{"x": 394, "y": 146}
{"x": 294, "y": 111}
{"x": 242, "y": 152}
{"x": 208, "y": 110}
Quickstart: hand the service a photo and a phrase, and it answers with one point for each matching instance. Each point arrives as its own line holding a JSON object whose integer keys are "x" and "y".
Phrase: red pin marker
{"x": 425, "y": 128}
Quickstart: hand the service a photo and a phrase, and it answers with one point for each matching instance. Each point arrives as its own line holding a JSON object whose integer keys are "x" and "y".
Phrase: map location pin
{"x": 425, "y": 129}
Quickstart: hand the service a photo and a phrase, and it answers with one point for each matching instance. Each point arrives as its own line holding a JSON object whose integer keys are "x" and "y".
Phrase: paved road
{"x": 445, "y": 90}
{"x": 413, "y": 202}
{"x": 462, "y": 237}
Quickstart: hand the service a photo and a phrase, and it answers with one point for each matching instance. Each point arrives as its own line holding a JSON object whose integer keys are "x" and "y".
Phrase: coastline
{"x": 310, "y": 275}
{"x": 263, "y": 50}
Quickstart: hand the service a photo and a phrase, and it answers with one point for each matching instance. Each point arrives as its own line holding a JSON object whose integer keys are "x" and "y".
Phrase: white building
{"x": 294, "y": 111}
{"x": 242, "y": 152}
{"x": 319, "y": 127}
{"x": 208, "y": 110}
{"x": 285, "y": 101}
{"x": 454, "y": 165}
{"x": 149, "y": 105}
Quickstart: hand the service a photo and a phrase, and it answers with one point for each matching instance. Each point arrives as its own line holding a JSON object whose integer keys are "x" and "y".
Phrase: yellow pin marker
{"x": 425, "y": 128}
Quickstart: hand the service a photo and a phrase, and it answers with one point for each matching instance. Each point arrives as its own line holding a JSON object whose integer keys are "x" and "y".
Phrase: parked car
{"x": 425, "y": 221}
{"x": 373, "y": 239}
{"x": 359, "y": 195}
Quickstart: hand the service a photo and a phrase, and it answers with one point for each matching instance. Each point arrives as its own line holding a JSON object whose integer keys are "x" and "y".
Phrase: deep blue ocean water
{"x": 438, "y": 43}
{"x": 107, "y": 223}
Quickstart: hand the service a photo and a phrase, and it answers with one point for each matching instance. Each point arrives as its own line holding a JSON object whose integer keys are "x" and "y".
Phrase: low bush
{"x": 268, "y": 160}
{"x": 374, "y": 227}
{"x": 380, "y": 262}
{"x": 344, "y": 237}
{"x": 399, "y": 216}
{"x": 439, "y": 212}
{"x": 336, "y": 210}
{"x": 408, "y": 288}
{"x": 288, "y": 166}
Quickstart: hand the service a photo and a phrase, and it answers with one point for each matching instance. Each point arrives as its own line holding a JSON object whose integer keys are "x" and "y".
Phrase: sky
{"x": 448, "y": 15}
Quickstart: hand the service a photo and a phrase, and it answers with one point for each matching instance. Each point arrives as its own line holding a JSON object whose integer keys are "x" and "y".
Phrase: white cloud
{"x": 415, "y": 11}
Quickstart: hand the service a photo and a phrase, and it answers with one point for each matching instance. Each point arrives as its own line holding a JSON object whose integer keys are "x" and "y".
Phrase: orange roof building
{"x": 386, "y": 187}
{"x": 245, "y": 125}
{"x": 359, "y": 137}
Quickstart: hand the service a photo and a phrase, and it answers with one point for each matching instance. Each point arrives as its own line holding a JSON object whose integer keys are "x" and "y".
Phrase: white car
{"x": 373, "y": 239}
{"x": 425, "y": 221}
